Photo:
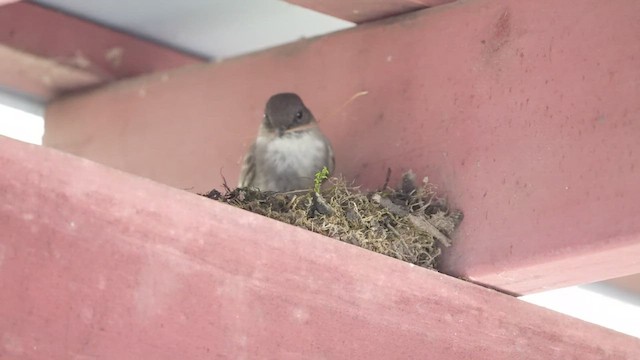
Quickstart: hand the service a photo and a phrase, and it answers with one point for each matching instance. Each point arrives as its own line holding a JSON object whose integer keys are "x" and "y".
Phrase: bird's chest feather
{"x": 299, "y": 153}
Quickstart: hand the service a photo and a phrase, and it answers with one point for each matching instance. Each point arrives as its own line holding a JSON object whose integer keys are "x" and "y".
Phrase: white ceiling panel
{"x": 211, "y": 28}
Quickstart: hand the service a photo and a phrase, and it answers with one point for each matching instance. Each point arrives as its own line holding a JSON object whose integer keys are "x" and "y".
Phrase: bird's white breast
{"x": 301, "y": 152}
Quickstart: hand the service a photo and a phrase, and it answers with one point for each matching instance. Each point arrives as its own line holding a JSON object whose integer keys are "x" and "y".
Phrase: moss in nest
{"x": 409, "y": 223}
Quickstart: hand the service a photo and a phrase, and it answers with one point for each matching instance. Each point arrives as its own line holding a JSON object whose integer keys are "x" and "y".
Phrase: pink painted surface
{"x": 39, "y": 77}
{"x": 360, "y": 11}
{"x": 524, "y": 113}
{"x": 31, "y": 35}
{"x": 95, "y": 263}
{"x": 6, "y": 2}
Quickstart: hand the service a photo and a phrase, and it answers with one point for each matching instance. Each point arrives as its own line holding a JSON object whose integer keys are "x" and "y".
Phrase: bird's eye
{"x": 299, "y": 115}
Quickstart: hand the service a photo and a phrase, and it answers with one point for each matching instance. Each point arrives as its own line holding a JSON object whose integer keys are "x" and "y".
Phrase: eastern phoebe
{"x": 289, "y": 150}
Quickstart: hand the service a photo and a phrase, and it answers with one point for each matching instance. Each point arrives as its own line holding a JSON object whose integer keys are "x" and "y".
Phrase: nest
{"x": 409, "y": 222}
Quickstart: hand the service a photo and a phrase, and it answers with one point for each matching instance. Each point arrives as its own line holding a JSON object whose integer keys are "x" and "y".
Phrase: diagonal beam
{"x": 502, "y": 104}
{"x": 45, "y": 53}
{"x": 98, "y": 263}
{"x": 39, "y": 77}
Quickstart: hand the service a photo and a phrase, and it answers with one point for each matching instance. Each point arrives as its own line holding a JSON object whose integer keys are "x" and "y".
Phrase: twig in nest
{"x": 427, "y": 227}
{"x": 319, "y": 205}
{"x": 418, "y": 222}
{"x": 389, "y": 205}
{"x": 393, "y": 230}
{"x": 386, "y": 180}
{"x": 224, "y": 182}
{"x": 295, "y": 192}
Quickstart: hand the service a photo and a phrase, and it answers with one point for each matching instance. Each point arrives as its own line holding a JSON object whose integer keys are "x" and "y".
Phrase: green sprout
{"x": 320, "y": 177}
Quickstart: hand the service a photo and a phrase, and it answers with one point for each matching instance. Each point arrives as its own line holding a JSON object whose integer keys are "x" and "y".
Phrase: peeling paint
{"x": 114, "y": 56}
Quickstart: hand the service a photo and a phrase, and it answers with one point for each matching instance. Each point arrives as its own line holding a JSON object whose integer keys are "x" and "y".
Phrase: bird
{"x": 289, "y": 149}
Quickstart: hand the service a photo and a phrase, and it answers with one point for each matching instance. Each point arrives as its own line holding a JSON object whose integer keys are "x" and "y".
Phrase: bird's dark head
{"x": 285, "y": 112}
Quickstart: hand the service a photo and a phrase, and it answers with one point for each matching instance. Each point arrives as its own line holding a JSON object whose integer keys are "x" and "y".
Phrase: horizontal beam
{"x": 361, "y": 11}
{"x": 509, "y": 114}
{"x": 98, "y": 263}
{"x": 45, "y": 53}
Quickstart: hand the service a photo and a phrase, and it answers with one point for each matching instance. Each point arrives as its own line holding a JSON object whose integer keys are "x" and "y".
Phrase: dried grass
{"x": 409, "y": 223}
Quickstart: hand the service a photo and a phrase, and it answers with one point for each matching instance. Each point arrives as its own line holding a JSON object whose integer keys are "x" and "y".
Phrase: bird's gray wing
{"x": 248, "y": 172}
{"x": 331, "y": 160}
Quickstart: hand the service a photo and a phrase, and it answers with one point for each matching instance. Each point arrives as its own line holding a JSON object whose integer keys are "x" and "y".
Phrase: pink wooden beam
{"x": 40, "y": 77}
{"x": 360, "y": 11}
{"x": 511, "y": 114}
{"x": 630, "y": 284}
{"x": 96, "y": 263}
{"x": 45, "y": 53}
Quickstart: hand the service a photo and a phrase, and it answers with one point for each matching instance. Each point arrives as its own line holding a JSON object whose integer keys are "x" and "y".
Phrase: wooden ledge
{"x": 98, "y": 263}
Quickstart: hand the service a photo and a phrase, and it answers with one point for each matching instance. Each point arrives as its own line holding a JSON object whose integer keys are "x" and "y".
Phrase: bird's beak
{"x": 300, "y": 128}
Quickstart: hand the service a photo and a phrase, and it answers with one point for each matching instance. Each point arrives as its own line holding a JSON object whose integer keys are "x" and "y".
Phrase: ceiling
{"x": 215, "y": 29}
